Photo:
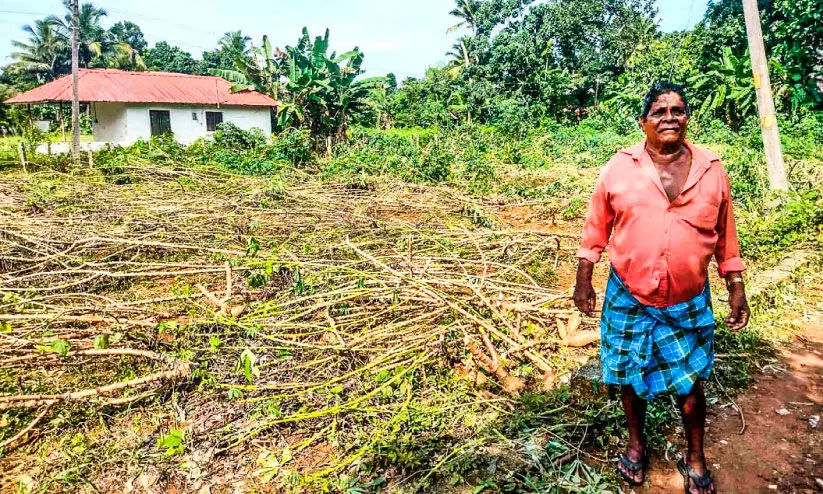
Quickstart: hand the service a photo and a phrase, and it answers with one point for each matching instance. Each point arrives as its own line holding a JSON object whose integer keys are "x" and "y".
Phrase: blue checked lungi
{"x": 656, "y": 350}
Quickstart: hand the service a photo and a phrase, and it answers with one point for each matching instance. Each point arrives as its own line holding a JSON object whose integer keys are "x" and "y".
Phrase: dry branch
{"x": 182, "y": 371}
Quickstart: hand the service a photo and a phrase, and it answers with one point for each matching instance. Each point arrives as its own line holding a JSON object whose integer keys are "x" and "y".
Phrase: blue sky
{"x": 400, "y": 36}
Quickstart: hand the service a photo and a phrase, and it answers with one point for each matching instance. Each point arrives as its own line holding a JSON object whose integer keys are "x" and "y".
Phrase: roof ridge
{"x": 153, "y": 73}
{"x": 110, "y": 85}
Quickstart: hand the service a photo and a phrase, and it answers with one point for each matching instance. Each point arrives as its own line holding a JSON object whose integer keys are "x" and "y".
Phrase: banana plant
{"x": 325, "y": 92}
{"x": 729, "y": 88}
{"x": 261, "y": 72}
{"x": 317, "y": 90}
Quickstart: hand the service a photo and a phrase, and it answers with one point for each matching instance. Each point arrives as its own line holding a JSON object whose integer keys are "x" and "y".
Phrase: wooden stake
{"x": 765, "y": 102}
{"x": 22, "y": 151}
{"x": 228, "y": 281}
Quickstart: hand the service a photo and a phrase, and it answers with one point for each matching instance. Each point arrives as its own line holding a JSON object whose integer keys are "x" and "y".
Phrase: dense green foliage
{"x": 45, "y": 54}
{"x": 537, "y": 61}
{"x": 166, "y": 57}
{"x": 318, "y": 91}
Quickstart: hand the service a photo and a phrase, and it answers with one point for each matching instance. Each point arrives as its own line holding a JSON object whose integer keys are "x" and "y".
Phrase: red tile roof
{"x": 121, "y": 86}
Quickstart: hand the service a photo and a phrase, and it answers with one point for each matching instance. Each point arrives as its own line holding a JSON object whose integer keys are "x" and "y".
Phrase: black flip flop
{"x": 632, "y": 466}
{"x": 689, "y": 475}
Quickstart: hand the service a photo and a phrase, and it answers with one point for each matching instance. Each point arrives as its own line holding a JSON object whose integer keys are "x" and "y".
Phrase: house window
{"x": 160, "y": 122}
{"x": 213, "y": 118}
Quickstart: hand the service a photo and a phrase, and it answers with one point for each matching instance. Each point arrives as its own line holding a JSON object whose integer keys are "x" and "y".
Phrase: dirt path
{"x": 779, "y": 451}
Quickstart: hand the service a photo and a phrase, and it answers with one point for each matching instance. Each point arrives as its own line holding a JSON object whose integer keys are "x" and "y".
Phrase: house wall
{"x": 109, "y": 122}
{"x": 126, "y": 123}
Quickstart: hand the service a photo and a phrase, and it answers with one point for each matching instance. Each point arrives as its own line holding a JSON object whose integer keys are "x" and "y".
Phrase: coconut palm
{"x": 44, "y": 54}
{"x": 465, "y": 11}
{"x": 235, "y": 42}
{"x": 460, "y": 52}
{"x": 92, "y": 36}
{"x": 122, "y": 55}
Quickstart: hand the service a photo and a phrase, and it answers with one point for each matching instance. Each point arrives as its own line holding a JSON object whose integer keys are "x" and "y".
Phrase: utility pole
{"x": 765, "y": 102}
{"x": 75, "y": 101}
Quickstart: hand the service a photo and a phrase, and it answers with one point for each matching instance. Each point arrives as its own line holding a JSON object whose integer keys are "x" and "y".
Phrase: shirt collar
{"x": 700, "y": 157}
{"x": 701, "y": 162}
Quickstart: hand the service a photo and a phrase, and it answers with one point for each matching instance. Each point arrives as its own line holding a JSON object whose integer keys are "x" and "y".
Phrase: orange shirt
{"x": 660, "y": 249}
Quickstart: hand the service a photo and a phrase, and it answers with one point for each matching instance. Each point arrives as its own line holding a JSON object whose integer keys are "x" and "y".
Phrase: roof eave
{"x": 224, "y": 103}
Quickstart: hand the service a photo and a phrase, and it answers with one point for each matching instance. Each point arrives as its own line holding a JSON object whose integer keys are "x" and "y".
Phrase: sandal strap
{"x": 700, "y": 481}
{"x": 632, "y": 466}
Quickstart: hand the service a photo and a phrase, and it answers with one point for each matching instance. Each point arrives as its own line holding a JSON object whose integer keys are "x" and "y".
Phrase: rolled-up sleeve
{"x": 599, "y": 222}
{"x": 727, "y": 251}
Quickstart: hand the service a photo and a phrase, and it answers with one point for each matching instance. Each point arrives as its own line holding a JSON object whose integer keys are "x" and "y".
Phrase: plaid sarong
{"x": 656, "y": 350}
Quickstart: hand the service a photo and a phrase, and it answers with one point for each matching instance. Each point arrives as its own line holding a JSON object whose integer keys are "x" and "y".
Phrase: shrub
{"x": 480, "y": 175}
{"x": 799, "y": 220}
{"x": 435, "y": 164}
{"x": 293, "y": 146}
{"x": 416, "y": 155}
{"x": 249, "y": 163}
{"x": 231, "y": 136}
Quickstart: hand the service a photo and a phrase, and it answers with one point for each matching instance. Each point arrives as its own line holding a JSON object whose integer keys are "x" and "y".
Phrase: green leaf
{"x": 248, "y": 363}
{"x": 172, "y": 442}
{"x": 101, "y": 341}
{"x": 230, "y": 75}
{"x": 252, "y": 246}
{"x": 215, "y": 343}
{"x": 286, "y": 457}
{"x": 60, "y": 346}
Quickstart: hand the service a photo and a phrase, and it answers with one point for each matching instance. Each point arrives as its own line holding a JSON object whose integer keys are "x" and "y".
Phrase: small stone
{"x": 814, "y": 420}
{"x": 782, "y": 411}
{"x": 716, "y": 466}
{"x": 819, "y": 482}
{"x": 772, "y": 487}
{"x": 724, "y": 442}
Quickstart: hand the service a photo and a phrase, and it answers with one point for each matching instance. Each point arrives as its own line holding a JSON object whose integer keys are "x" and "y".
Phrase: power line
{"x": 20, "y": 12}
{"x": 181, "y": 27}
{"x": 185, "y": 27}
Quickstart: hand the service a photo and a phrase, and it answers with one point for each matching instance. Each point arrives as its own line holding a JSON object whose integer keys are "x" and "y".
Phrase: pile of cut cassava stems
{"x": 306, "y": 307}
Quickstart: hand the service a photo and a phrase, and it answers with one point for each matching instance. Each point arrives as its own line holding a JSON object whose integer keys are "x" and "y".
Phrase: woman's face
{"x": 667, "y": 120}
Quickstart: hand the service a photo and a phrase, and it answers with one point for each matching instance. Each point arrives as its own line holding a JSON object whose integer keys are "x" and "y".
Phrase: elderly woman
{"x": 665, "y": 207}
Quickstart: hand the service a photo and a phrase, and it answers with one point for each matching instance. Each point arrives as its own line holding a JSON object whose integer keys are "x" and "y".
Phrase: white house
{"x": 127, "y": 106}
